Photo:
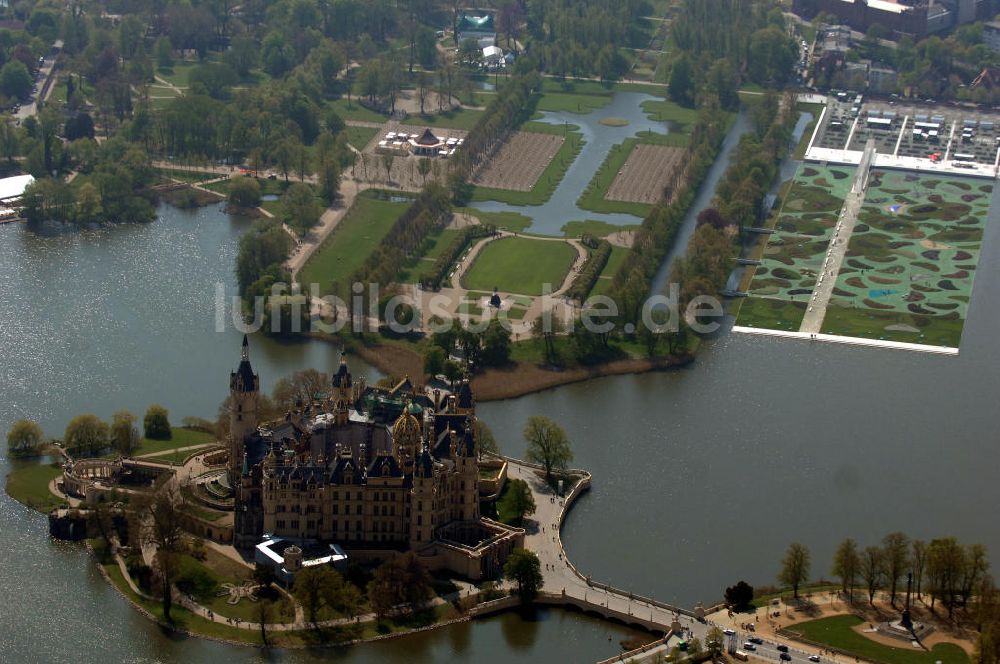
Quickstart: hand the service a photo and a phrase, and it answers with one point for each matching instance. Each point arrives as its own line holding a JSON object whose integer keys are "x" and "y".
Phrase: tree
{"x": 164, "y": 51}
{"x": 86, "y": 434}
{"x": 872, "y": 560}
{"x": 156, "y": 424}
{"x": 424, "y": 167}
{"x": 496, "y": 344}
{"x": 263, "y": 612}
{"x": 681, "y": 85}
{"x": 452, "y": 371}
{"x": 845, "y": 565}
{"x": 714, "y": 640}
{"x": 522, "y": 567}
{"x": 918, "y": 558}
{"x": 24, "y": 438}
{"x": 739, "y": 596}
{"x": 520, "y": 500}
{"x": 795, "y": 567}
{"x": 486, "y": 442}
{"x": 300, "y": 210}
{"x": 400, "y": 582}
{"x": 434, "y": 359}
{"x": 15, "y": 80}
{"x": 300, "y": 388}
{"x": 158, "y": 519}
{"x": 547, "y": 444}
{"x": 896, "y": 551}
{"x": 244, "y": 193}
{"x": 124, "y": 433}
{"x": 311, "y": 588}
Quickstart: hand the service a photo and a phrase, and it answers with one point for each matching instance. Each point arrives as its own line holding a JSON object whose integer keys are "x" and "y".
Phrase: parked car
{"x": 756, "y": 639}
{"x": 728, "y": 632}
{"x": 749, "y": 646}
{"x": 782, "y": 648}
{"x": 785, "y": 657}
{"x": 813, "y": 658}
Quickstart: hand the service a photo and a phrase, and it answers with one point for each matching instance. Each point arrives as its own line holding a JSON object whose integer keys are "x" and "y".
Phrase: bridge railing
{"x": 628, "y": 654}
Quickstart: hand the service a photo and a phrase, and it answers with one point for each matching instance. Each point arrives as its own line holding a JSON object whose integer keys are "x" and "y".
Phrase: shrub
{"x": 156, "y": 425}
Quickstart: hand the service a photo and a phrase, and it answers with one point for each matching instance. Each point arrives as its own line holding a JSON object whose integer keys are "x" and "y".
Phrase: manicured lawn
{"x": 460, "y": 118}
{"x": 520, "y": 265}
{"x": 836, "y": 631}
{"x": 439, "y": 240}
{"x": 550, "y": 177}
{"x": 28, "y": 484}
{"x": 176, "y": 457}
{"x": 361, "y": 229}
{"x": 870, "y": 324}
{"x": 360, "y": 136}
{"x": 593, "y": 227}
{"x": 180, "y": 438}
{"x": 510, "y": 221}
{"x": 615, "y": 260}
{"x": 354, "y": 111}
{"x": 679, "y": 119}
{"x": 179, "y": 74}
{"x": 771, "y": 313}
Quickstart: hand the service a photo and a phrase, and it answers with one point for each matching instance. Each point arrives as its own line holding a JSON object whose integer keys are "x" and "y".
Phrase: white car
{"x": 813, "y": 658}
{"x": 729, "y": 632}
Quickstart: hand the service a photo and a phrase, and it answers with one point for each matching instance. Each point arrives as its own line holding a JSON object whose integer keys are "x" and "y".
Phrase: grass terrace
{"x": 520, "y": 265}
{"x": 355, "y": 237}
{"x": 28, "y": 484}
{"x": 838, "y": 632}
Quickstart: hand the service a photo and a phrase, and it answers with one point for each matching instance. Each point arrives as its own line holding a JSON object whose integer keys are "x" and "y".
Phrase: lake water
{"x": 701, "y": 476}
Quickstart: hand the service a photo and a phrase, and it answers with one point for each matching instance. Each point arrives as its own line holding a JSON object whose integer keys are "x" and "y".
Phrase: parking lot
{"x": 934, "y": 135}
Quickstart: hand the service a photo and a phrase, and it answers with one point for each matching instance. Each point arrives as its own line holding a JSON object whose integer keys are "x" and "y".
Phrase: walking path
{"x": 812, "y": 321}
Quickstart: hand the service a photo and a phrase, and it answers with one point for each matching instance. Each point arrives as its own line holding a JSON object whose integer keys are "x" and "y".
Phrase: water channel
{"x": 701, "y": 476}
{"x": 561, "y": 207}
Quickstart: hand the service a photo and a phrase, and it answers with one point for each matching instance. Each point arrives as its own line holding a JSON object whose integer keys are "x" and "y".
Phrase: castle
{"x": 374, "y": 470}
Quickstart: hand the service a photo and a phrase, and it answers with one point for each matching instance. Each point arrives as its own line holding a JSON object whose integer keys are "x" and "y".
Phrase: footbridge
{"x": 565, "y": 585}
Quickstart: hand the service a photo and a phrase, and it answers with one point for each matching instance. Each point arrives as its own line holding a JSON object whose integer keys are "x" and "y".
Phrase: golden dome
{"x": 406, "y": 426}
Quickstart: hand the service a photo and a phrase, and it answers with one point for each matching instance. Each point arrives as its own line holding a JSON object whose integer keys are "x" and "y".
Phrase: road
{"x": 30, "y": 109}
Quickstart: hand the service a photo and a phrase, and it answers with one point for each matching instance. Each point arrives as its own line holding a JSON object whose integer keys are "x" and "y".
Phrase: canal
{"x": 702, "y": 476}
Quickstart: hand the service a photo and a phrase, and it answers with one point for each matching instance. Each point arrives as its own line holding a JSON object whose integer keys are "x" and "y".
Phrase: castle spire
{"x": 245, "y": 355}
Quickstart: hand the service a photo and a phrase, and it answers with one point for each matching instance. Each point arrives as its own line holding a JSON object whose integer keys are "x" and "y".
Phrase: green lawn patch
{"x": 771, "y": 313}
{"x": 359, "y": 137}
{"x": 179, "y": 75}
{"x": 520, "y": 265}
{"x": 459, "y": 118}
{"x": 352, "y": 110}
{"x": 419, "y": 267}
{"x": 836, "y": 631}
{"x": 346, "y": 249}
{"x": 550, "y": 177}
{"x": 510, "y": 221}
{"x": 28, "y": 484}
{"x": 180, "y": 437}
{"x": 680, "y": 120}
{"x": 615, "y": 260}
{"x": 593, "y": 227}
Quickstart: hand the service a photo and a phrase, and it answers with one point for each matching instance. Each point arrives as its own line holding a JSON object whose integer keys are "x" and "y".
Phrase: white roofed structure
{"x": 12, "y": 188}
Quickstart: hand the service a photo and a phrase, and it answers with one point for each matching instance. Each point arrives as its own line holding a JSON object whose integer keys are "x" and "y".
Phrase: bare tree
{"x": 896, "y": 553}
{"x": 795, "y": 567}
{"x": 872, "y": 560}
{"x": 158, "y": 519}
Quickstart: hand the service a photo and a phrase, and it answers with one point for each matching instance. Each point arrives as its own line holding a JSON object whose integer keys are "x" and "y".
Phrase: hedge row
{"x": 590, "y": 272}
{"x": 451, "y": 254}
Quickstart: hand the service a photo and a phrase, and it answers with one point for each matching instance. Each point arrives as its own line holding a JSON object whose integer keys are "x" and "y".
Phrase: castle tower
{"x": 244, "y": 388}
{"x": 422, "y": 497}
{"x": 465, "y": 404}
{"x": 343, "y": 394}
{"x": 467, "y": 466}
{"x": 406, "y": 437}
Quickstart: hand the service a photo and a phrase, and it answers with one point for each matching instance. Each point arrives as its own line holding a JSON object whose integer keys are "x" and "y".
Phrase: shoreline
{"x": 496, "y": 384}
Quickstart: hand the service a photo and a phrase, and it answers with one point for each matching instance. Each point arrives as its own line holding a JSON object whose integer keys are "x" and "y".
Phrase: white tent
{"x": 492, "y": 55}
{"x": 13, "y": 187}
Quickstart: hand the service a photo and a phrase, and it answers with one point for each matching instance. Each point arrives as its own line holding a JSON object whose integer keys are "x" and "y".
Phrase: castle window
{"x": 420, "y": 521}
{"x": 295, "y": 524}
{"x": 392, "y": 510}
{"x": 359, "y": 495}
{"x": 359, "y": 510}
{"x": 336, "y": 510}
{"x": 310, "y": 525}
{"x": 336, "y": 495}
{"x": 384, "y": 511}
{"x": 357, "y": 526}
{"x": 281, "y": 523}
